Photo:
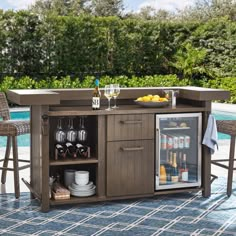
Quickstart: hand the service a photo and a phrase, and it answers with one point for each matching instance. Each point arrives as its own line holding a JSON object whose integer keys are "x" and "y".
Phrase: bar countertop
{"x": 57, "y": 96}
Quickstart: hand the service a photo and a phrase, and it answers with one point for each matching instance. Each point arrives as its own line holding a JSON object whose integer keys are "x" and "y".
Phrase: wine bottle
{"x": 168, "y": 166}
{"x": 81, "y": 150}
{"x": 174, "y": 175}
{"x": 184, "y": 170}
{"x": 162, "y": 174}
{"x": 60, "y": 151}
{"x": 71, "y": 150}
{"x": 96, "y": 96}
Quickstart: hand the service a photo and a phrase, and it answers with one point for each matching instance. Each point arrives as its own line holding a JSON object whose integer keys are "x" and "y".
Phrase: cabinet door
{"x": 130, "y": 167}
{"x": 130, "y": 127}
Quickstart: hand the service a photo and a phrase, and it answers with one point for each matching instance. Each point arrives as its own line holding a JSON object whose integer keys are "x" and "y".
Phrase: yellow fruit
{"x": 146, "y": 99}
{"x": 163, "y": 100}
{"x": 149, "y": 95}
{"x": 155, "y": 99}
{"x": 140, "y": 99}
{"x": 156, "y": 96}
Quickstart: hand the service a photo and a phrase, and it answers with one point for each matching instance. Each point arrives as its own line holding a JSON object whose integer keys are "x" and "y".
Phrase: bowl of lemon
{"x": 152, "y": 101}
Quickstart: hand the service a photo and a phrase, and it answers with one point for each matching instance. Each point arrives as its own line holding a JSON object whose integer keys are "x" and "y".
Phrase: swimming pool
{"x": 24, "y": 140}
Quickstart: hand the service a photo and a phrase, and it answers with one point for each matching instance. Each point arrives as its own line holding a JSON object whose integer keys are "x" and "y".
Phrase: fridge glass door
{"x": 178, "y": 150}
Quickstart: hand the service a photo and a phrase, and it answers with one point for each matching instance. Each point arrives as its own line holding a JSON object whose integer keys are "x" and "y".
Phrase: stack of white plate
{"x": 81, "y": 187}
{"x": 82, "y": 191}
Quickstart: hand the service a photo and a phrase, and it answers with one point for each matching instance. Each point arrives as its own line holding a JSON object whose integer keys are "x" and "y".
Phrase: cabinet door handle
{"x": 45, "y": 125}
{"x": 131, "y": 122}
{"x": 131, "y": 149}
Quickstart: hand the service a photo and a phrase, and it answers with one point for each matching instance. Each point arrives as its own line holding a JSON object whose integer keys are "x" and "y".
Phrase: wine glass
{"x": 108, "y": 93}
{"x": 116, "y": 88}
{"x": 60, "y": 134}
{"x": 82, "y": 132}
{"x": 60, "y": 140}
{"x": 71, "y": 133}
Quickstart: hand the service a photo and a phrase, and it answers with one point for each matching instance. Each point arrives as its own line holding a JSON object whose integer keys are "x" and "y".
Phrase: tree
{"x": 107, "y": 7}
{"x": 204, "y": 10}
{"x": 60, "y": 7}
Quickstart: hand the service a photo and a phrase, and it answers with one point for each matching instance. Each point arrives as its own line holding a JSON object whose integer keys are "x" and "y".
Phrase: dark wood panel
{"x": 39, "y": 156}
{"x": 130, "y": 171}
{"x": 130, "y": 127}
{"x": 45, "y": 159}
{"x": 35, "y": 162}
{"x": 206, "y": 157}
{"x": 123, "y": 109}
{"x": 101, "y": 154}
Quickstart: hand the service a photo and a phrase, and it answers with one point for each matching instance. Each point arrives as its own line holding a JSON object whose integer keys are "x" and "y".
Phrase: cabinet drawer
{"x": 130, "y": 167}
{"x": 130, "y": 127}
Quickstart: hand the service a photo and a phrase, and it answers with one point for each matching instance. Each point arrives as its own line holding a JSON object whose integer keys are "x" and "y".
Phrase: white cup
{"x": 69, "y": 177}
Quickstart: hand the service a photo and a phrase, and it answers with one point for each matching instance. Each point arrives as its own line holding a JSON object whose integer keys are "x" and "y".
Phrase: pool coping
{"x": 223, "y": 107}
{"x": 19, "y": 109}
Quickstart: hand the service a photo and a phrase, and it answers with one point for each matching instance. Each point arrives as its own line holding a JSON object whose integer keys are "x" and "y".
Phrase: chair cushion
{"x": 14, "y": 127}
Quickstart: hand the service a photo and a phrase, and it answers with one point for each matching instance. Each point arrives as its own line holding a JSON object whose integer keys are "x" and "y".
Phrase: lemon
{"x": 156, "y": 96}
{"x": 155, "y": 100}
{"x": 146, "y": 99}
{"x": 140, "y": 99}
{"x": 163, "y": 100}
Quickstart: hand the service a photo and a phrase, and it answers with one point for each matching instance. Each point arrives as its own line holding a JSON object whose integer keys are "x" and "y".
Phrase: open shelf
{"x": 176, "y": 128}
{"x": 73, "y": 162}
{"x": 73, "y": 200}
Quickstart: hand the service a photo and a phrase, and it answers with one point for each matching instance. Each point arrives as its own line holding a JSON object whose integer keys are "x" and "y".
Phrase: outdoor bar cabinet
{"x": 118, "y": 170}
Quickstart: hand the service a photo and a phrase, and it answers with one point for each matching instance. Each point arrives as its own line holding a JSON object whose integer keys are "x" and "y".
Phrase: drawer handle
{"x": 131, "y": 149}
{"x": 131, "y": 122}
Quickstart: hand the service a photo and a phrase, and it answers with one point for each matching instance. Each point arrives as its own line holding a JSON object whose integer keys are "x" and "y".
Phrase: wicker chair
{"x": 11, "y": 129}
{"x": 227, "y": 127}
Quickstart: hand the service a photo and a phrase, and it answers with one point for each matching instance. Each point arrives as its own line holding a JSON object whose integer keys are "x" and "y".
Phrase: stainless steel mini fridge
{"x": 178, "y": 150}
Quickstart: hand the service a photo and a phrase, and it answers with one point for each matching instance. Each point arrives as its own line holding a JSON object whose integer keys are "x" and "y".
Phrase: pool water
{"x": 24, "y": 140}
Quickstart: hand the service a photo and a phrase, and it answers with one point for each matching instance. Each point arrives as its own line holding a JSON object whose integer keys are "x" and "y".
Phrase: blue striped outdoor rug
{"x": 180, "y": 214}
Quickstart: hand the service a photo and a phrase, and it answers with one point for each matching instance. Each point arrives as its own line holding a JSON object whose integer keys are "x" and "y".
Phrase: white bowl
{"x": 82, "y": 174}
{"x": 77, "y": 187}
{"x": 81, "y": 177}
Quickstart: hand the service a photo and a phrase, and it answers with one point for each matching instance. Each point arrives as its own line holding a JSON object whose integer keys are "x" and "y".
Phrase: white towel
{"x": 210, "y": 138}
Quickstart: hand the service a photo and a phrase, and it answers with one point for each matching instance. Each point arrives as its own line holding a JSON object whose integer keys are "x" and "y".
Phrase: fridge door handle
{"x": 157, "y": 143}
{"x": 157, "y": 161}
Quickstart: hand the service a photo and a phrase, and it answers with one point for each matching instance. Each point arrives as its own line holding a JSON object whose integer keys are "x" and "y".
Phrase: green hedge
{"x": 27, "y": 82}
{"x": 109, "y": 45}
{"x": 228, "y": 83}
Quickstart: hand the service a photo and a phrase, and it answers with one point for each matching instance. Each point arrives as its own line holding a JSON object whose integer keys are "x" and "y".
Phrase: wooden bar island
{"x": 122, "y": 141}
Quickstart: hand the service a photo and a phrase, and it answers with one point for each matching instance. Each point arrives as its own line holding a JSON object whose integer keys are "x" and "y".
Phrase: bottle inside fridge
{"x": 178, "y": 150}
